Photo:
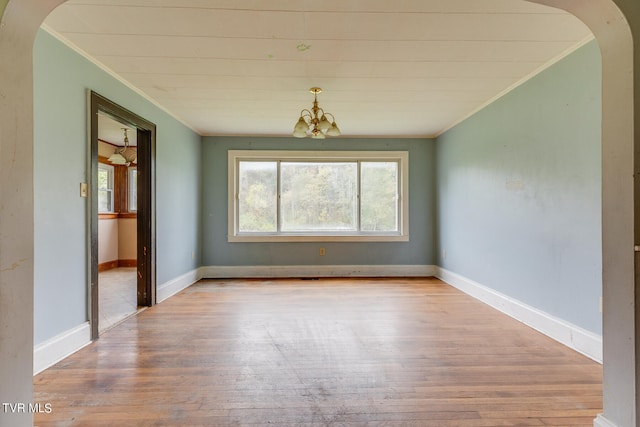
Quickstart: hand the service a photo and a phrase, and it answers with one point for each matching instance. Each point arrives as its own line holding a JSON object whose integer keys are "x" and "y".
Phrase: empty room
{"x": 332, "y": 213}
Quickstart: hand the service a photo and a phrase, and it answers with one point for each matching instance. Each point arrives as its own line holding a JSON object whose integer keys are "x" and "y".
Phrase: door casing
{"x": 146, "y": 223}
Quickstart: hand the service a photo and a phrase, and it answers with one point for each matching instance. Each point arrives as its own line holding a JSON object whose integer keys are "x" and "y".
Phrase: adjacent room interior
{"x": 117, "y": 222}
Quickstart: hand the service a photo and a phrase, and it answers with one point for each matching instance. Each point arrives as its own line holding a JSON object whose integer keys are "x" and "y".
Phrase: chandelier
{"x": 314, "y": 123}
{"x": 125, "y": 155}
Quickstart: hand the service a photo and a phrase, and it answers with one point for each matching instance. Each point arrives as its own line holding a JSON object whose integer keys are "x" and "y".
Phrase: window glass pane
{"x": 105, "y": 200}
{"x": 257, "y": 198}
{"x": 379, "y": 195}
{"x": 105, "y": 188}
{"x": 318, "y": 196}
{"x": 133, "y": 189}
{"x": 103, "y": 178}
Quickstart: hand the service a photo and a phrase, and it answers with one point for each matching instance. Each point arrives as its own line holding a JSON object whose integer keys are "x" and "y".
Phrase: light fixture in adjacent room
{"x": 124, "y": 155}
{"x": 314, "y": 123}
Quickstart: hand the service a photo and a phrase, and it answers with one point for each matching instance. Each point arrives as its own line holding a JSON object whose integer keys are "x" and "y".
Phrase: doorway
{"x": 117, "y": 216}
{"x": 122, "y": 214}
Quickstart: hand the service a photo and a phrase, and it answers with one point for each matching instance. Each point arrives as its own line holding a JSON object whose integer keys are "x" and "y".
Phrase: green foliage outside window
{"x": 318, "y": 196}
{"x": 258, "y": 197}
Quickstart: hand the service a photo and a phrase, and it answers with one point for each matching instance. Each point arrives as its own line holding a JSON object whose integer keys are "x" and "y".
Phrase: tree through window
{"x": 341, "y": 194}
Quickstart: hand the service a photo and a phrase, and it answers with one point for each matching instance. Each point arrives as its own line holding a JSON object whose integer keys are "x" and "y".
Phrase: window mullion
{"x": 236, "y": 195}
{"x": 358, "y": 198}
{"x": 278, "y": 199}
{"x": 399, "y": 201}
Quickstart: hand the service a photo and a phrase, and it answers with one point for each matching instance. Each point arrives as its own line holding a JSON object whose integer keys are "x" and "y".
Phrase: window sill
{"x": 113, "y": 215}
{"x": 319, "y": 238}
{"x": 107, "y": 216}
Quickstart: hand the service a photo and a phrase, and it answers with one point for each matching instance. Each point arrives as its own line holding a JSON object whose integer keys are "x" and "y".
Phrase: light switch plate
{"x": 84, "y": 189}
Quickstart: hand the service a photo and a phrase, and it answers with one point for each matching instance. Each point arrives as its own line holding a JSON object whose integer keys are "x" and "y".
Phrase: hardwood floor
{"x": 337, "y": 352}
{"x": 117, "y": 297}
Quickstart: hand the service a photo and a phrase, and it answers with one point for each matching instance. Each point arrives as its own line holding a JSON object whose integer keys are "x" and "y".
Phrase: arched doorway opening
{"x": 20, "y": 22}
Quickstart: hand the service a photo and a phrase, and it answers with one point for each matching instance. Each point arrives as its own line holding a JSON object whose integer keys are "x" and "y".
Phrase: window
{"x": 310, "y": 195}
{"x": 133, "y": 189}
{"x": 105, "y": 188}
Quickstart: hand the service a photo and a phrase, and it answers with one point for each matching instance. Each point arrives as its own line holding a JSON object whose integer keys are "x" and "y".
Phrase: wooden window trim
{"x": 107, "y": 216}
{"x": 123, "y": 215}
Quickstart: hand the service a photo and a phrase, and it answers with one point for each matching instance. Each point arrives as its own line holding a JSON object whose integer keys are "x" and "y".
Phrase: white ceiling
{"x": 111, "y": 131}
{"x": 387, "y": 68}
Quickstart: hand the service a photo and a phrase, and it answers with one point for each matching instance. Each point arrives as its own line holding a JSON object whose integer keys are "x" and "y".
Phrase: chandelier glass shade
{"x": 314, "y": 122}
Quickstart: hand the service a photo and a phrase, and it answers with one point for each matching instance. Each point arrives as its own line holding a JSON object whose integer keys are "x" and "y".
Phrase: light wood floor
{"x": 356, "y": 352}
{"x": 117, "y": 297}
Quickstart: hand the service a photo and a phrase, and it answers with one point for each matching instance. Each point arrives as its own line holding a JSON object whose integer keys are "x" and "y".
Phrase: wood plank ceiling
{"x": 410, "y": 68}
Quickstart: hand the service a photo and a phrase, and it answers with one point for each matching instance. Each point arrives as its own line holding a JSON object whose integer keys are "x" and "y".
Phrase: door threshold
{"x": 124, "y": 319}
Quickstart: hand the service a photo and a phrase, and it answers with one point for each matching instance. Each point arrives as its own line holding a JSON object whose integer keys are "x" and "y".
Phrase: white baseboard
{"x": 55, "y": 349}
{"x": 601, "y": 421}
{"x": 572, "y": 336}
{"x": 174, "y": 286}
{"x": 269, "y": 271}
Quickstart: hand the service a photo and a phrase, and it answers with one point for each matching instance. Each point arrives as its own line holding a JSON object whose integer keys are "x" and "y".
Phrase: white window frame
{"x": 132, "y": 172}
{"x": 110, "y": 188}
{"x": 236, "y": 156}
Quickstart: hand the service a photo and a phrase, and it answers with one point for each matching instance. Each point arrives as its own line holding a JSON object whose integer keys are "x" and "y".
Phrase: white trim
{"x": 601, "y": 421}
{"x": 268, "y": 271}
{"x": 174, "y": 286}
{"x": 53, "y": 350}
{"x": 572, "y": 336}
{"x": 110, "y": 186}
{"x": 317, "y": 238}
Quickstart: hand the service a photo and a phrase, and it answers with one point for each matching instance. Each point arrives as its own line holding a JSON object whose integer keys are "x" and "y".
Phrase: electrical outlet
{"x": 193, "y": 255}
{"x": 322, "y": 252}
{"x": 444, "y": 254}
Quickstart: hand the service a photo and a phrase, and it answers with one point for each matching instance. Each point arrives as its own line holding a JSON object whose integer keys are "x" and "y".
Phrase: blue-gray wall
{"x": 420, "y": 250}
{"x": 61, "y": 80}
{"x": 519, "y": 192}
